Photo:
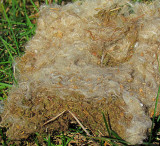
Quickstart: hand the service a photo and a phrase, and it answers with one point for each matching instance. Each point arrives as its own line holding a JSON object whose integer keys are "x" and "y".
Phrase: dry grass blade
{"x": 53, "y": 119}
{"x": 79, "y": 123}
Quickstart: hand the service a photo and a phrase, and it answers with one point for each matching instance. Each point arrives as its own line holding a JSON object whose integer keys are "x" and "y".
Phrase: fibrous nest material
{"x": 88, "y": 57}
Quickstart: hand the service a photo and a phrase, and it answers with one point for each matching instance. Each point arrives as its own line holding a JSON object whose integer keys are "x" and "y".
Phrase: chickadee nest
{"x": 88, "y": 57}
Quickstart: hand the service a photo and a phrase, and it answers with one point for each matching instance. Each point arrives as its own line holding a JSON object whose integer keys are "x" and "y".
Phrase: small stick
{"x": 54, "y": 118}
{"x": 79, "y": 123}
{"x": 115, "y": 9}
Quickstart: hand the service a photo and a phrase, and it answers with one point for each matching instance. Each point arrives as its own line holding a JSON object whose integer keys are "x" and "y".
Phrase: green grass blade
{"x": 6, "y": 62}
{"x": 106, "y": 124}
{"x": 10, "y": 26}
{"x": 4, "y": 71}
{"x": 69, "y": 139}
{"x": 63, "y": 139}
{"x": 2, "y": 87}
{"x": 6, "y": 85}
{"x": 59, "y": 2}
{"x": 115, "y": 135}
{"x": 28, "y": 32}
{"x": 150, "y": 138}
{"x": 28, "y": 20}
{"x": 158, "y": 118}
{"x": 46, "y": 1}
{"x": 49, "y": 140}
{"x": 7, "y": 44}
{"x": 13, "y": 8}
{"x": 1, "y": 98}
{"x": 158, "y": 63}
{"x": 54, "y": 2}
{"x": 14, "y": 22}
{"x": 8, "y": 50}
{"x": 34, "y": 6}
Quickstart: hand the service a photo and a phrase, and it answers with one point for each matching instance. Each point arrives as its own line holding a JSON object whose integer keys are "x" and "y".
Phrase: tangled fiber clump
{"x": 88, "y": 57}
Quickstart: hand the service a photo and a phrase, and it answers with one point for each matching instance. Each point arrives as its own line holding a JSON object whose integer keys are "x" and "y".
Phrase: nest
{"x": 86, "y": 58}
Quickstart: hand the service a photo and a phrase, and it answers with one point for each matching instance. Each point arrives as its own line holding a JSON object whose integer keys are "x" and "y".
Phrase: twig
{"x": 79, "y": 123}
{"x": 53, "y": 119}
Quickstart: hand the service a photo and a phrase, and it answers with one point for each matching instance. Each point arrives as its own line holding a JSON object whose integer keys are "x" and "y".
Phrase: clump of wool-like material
{"x": 88, "y": 57}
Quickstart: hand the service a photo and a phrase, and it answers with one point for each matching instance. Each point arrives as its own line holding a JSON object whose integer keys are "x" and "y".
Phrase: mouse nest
{"x": 88, "y": 57}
